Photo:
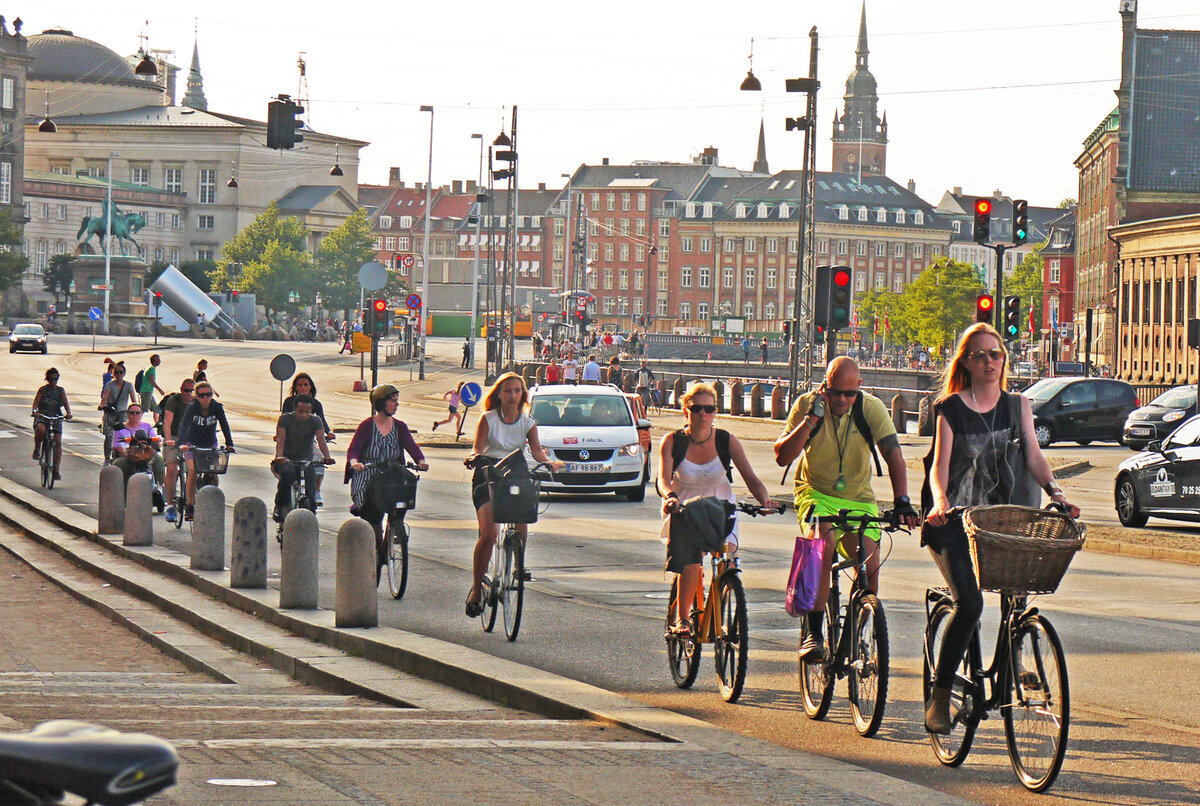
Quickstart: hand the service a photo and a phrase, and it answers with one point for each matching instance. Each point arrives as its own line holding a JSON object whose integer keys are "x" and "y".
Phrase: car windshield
{"x": 28, "y": 330}
{"x": 1044, "y": 390}
{"x": 580, "y": 410}
{"x": 1181, "y": 397}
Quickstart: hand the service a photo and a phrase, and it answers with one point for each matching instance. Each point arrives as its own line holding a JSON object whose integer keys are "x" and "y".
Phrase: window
{"x": 624, "y": 226}
{"x": 822, "y": 246}
{"x": 898, "y": 283}
{"x": 623, "y": 279}
{"x": 663, "y": 278}
{"x": 39, "y": 261}
{"x": 860, "y": 248}
{"x": 63, "y": 168}
{"x": 558, "y": 255}
{"x": 204, "y": 254}
{"x": 791, "y": 280}
{"x": 705, "y": 277}
{"x": 623, "y": 306}
{"x": 685, "y": 244}
{"x": 205, "y": 222}
{"x": 625, "y": 202}
{"x": 610, "y": 227}
{"x": 664, "y": 228}
{"x": 624, "y": 252}
{"x": 593, "y": 227}
{"x": 610, "y": 305}
{"x": 860, "y": 281}
{"x": 918, "y": 250}
{"x": 5, "y": 183}
{"x": 862, "y": 213}
{"x": 772, "y": 246}
{"x": 402, "y": 243}
{"x": 174, "y": 255}
{"x": 608, "y": 278}
{"x": 748, "y": 309}
{"x": 208, "y": 186}
{"x": 139, "y": 175}
{"x": 898, "y": 250}
{"x": 727, "y": 277}
{"x": 558, "y": 226}
{"x": 7, "y": 99}
{"x": 610, "y": 201}
{"x": 843, "y": 212}
{"x": 158, "y": 254}
{"x": 729, "y": 244}
{"x": 406, "y": 221}
{"x": 701, "y": 309}
{"x": 771, "y": 278}
{"x": 685, "y": 276}
{"x": 706, "y": 245}
{"x": 595, "y": 201}
{"x": 160, "y": 219}
{"x": 1055, "y": 270}
{"x": 842, "y": 246}
{"x": 957, "y": 226}
{"x": 640, "y": 253}
{"x": 881, "y": 216}
{"x": 739, "y": 210}
{"x": 173, "y": 179}
{"x": 899, "y": 216}
{"x": 97, "y": 171}
{"x": 377, "y": 245}
{"x": 593, "y": 251}
{"x": 608, "y": 252}
{"x": 769, "y": 310}
{"x": 919, "y": 217}
{"x": 641, "y": 204}
{"x": 751, "y": 246}
{"x": 637, "y": 305}
{"x": 879, "y": 281}
{"x": 389, "y": 243}
{"x": 748, "y": 281}
{"x": 880, "y": 249}
{"x": 685, "y": 310}
{"x": 639, "y": 279}
{"x": 640, "y": 226}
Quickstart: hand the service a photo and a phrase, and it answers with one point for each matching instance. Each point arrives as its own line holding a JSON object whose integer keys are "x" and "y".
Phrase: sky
{"x": 981, "y": 95}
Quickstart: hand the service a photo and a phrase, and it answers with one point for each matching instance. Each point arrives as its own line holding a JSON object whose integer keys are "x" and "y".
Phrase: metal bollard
{"x": 139, "y": 523}
{"x": 248, "y": 562}
{"x": 111, "y": 501}
{"x": 299, "y": 569}
{"x": 208, "y": 530}
{"x": 356, "y": 604}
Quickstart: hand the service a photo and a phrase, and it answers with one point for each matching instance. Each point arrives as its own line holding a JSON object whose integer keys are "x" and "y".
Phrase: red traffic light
{"x": 380, "y": 305}
{"x": 841, "y": 277}
{"x": 983, "y": 206}
{"x": 984, "y": 303}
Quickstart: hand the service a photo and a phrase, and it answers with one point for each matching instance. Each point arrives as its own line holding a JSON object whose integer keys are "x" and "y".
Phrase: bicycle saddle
{"x": 91, "y": 761}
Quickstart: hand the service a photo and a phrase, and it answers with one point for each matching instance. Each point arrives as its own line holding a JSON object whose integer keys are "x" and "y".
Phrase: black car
{"x": 28, "y": 337}
{"x": 1159, "y": 417}
{"x": 1081, "y": 409}
{"x": 1163, "y": 480}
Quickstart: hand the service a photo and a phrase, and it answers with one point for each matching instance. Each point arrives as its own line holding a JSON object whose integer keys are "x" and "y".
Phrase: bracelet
{"x": 1052, "y": 489}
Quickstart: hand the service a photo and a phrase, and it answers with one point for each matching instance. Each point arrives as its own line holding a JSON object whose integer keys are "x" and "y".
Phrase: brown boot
{"x": 937, "y": 711}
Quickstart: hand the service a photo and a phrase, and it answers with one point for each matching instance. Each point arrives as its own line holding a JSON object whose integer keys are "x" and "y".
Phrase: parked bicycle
{"x": 396, "y": 494}
{"x": 1027, "y": 679}
{"x": 721, "y": 621}
{"x": 856, "y": 636}
{"x": 46, "y": 453}
{"x": 210, "y": 465}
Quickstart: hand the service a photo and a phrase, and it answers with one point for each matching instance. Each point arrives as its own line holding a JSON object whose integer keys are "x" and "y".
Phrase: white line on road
{"x": 426, "y": 744}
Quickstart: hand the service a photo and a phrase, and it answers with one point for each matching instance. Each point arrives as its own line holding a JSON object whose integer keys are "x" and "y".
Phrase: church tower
{"x": 859, "y": 134}
{"x": 194, "y": 97}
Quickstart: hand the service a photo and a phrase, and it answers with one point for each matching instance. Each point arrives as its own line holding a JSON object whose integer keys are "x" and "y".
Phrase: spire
{"x": 760, "y": 161}
{"x": 861, "y": 52}
{"x": 194, "y": 97}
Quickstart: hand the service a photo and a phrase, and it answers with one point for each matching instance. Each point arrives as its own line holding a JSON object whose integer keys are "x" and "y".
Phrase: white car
{"x": 592, "y": 430}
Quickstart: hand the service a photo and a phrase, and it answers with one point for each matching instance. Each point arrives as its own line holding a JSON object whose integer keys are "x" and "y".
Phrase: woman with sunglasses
{"x": 701, "y": 472}
{"x": 114, "y": 401}
{"x": 198, "y": 429}
{"x": 303, "y": 384}
{"x": 50, "y": 401}
{"x": 136, "y": 445}
{"x": 976, "y": 420}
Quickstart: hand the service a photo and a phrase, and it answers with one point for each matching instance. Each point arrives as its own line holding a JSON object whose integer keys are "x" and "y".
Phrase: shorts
{"x": 827, "y": 506}
{"x": 454, "y": 409}
{"x": 479, "y": 486}
{"x": 170, "y": 454}
{"x": 689, "y": 550}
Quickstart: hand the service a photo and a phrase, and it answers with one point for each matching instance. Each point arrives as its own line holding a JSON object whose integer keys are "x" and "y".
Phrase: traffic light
{"x": 983, "y": 220}
{"x": 839, "y": 298}
{"x": 787, "y": 329}
{"x": 1012, "y": 318}
{"x": 158, "y": 301}
{"x": 283, "y": 123}
{"x": 819, "y": 336}
{"x": 983, "y": 308}
{"x": 379, "y": 317}
{"x": 235, "y": 296}
{"x": 821, "y": 282}
{"x": 1020, "y": 221}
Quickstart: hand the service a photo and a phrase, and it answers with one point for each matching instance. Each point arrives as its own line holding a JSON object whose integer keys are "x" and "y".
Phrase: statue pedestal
{"x": 127, "y": 278}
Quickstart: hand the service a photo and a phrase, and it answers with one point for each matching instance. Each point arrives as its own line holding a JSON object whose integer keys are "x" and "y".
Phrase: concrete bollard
{"x": 299, "y": 569}
{"x": 677, "y": 392}
{"x": 541, "y": 374}
{"x": 111, "y": 501}
{"x": 208, "y": 530}
{"x": 898, "y": 413}
{"x": 737, "y": 401}
{"x": 664, "y": 397}
{"x": 248, "y": 561}
{"x": 139, "y": 523}
{"x": 720, "y": 387}
{"x": 758, "y": 393}
{"x": 778, "y": 404}
{"x": 356, "y": 604}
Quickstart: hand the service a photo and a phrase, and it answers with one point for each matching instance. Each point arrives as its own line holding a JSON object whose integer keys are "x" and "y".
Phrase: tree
{"x": 251, "y": 244}
{"x": 338, "y": 260}
{"x": 58, "y": 277}
{"x": 278, "y": 271}
{"x": 13, "y": 264}
{"x": 195, "y": 270}
{"x": 941, "y": 302}
{"x": 1066, "y": 204}
{"x": 1026, "y": 283}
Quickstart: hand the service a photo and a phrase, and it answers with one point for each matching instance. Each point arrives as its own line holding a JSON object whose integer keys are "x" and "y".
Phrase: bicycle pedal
{"x": 526, "y": 575}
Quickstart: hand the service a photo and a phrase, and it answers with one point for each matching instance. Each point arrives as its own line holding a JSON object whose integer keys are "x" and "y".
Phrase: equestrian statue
{"x": 123, "y": 226}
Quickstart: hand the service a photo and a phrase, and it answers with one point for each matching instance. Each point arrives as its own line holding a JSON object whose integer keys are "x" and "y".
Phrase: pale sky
{"x": 977, "y": 94}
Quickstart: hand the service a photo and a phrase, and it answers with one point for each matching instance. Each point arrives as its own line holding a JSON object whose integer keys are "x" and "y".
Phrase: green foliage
{"x": 338, "y": 260}
{"x": 884, "y": 307}
{"x": 932, "y": 310}
{"x": 251, "y": 245}
{"x": 58, "y": 276}
{"x": 12, "y": 263}
{"x": 1026, "y": 282}
{"x": 278, "y": 271}
{"x": 1066, "y": 204}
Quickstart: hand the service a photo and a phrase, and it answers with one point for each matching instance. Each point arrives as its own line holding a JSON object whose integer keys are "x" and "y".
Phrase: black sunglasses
{"x": 696, "y": 408}
{"x": 980, "y": 355}
{"x": 204, "y": 394}
{"x": 843, "y": 392}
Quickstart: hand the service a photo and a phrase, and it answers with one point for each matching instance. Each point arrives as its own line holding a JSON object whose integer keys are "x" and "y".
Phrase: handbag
{"x": 808, "y": 560}
{"x": 1016, "y": 481}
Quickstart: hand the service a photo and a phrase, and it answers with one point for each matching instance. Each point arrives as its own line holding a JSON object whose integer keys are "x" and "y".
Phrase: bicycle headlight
{"x": 630, "y": 450}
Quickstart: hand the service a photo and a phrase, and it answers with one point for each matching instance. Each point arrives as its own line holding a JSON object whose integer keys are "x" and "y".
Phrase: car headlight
{"x": 1172, "y": 416}
{"x": 630, "y": 450}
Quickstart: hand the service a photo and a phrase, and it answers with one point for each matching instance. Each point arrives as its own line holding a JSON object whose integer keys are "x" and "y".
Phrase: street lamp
{"x": 480, "y": 196}
{"x": 108, "y": 245}
{"x": 425, "y": 246}
{"x": 70, "y": 320}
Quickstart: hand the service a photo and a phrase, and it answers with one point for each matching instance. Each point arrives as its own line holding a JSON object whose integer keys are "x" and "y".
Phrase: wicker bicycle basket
{"x": 1021, "y": 549}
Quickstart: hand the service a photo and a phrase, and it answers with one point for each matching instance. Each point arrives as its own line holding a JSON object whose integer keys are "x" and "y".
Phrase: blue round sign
{"x": 470, "y": 394}
{"x": 413, "y": 302}
{"x": 95, "y": 314}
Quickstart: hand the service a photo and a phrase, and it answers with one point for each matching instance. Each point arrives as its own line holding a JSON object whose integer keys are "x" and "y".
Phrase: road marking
{"x": 310, "y": 743}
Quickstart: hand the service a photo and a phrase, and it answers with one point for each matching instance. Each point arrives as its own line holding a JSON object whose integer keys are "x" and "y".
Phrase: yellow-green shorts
{"x": 828, "y": 506}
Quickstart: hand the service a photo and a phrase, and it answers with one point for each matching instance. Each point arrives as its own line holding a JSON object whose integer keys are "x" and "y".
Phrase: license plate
{"x": 1143, "y": 432}
{"x": 585, "y": 467}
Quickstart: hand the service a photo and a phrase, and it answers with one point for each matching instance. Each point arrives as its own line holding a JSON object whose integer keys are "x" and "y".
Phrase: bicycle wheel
{"x": 731, "y": 646}
{"x": 44, "y": 461}
{"x": 868, "y": 666}
{"x": 512, "y": 582}
{"x": 683, "y": 651}
{"x": 397, "y": 563}
{"x": 490, "y": 594}
{"x": 816, "y": 676}
{"x": 952, "y": 748}
{"x": 1037, "y": 715}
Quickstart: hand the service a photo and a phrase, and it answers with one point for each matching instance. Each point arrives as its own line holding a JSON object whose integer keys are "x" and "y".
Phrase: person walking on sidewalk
{"x": 150, "y": 383}
{"x": 466, "y": 359}
{"x": 834, "y": 432}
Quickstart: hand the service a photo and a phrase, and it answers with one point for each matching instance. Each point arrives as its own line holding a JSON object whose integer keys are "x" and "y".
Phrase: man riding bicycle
{"x": 173, "y": 406}
{"x": 834, "y": 431}
{"x": 294, "y": 435}
{"x": 198, "y": 429}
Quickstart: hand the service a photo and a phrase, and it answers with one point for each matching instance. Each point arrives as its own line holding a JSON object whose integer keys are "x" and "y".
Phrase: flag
{"x": 874, "y": 325}
{"x": 887, "y": 325}
{"x": 1032, "y": 329}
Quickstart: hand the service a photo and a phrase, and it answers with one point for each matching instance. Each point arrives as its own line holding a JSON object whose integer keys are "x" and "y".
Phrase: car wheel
{"x": 45, "y": 349}
{"x": 1044, "y": 435}
{"x": 1128, "y": 511}
{"x": 638, "y": 493}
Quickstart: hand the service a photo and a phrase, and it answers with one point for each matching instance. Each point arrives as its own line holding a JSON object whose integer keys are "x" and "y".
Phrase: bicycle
{"x": 298, "y": 494}
{"x": 210, "y": 463}
{"x": 396, "y": 497}
{"x": 856, "y": 637}
{"x": 722, "y": 622}
{"x": 46, "y": 454}
{"x": 503, "y": 587}
{"x": 1027, "y": 675}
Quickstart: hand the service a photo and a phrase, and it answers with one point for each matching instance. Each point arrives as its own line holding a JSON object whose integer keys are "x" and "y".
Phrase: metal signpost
{"x": 95, "y": 314}
{"x": 372, "y": 276}
{"x": 283, "y": 366}
{"x": 470, "y": 394}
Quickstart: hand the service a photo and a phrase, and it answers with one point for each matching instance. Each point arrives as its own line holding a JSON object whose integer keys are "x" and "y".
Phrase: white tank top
{"x": 504, "y": 438}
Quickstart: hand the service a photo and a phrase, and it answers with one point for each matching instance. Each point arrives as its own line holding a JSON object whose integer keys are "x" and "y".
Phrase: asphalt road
{"x": 594, "y": 611}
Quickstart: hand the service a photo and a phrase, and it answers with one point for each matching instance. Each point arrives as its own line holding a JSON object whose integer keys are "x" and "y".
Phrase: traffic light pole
{"x": 804, "y": 301}
{"x": 374, "y": 360}
{"x": 1000, "y": 249}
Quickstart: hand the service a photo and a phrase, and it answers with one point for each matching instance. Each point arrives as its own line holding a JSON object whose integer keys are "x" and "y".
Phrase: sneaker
{"x": 811, "y": 648}
{"x": 526, "y": 575}
{"x": 57, "y": 475}
{"x": 277, "y": 515}
{"x": 317, "y": 499}
{"x": 435, "y": 425}
{"x": 171, "y": 514}
{"x": 35, "y": 454}
{"x": 189, "y": 512}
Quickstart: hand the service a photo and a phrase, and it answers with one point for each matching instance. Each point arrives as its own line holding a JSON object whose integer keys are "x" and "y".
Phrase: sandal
{"x": 474, "y": 609}
{"x": 680, "y": 630}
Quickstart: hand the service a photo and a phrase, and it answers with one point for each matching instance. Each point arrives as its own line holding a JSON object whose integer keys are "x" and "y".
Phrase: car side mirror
{"x": 1154, "y": 446}
{"x": 643, "y": 424}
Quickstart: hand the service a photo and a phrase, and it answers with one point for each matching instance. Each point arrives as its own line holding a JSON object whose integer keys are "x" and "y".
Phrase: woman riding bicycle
{"x": 701, "y": 472}
{"x": 50, "y": 401}
{"x": 114, "y": 400}
{"x": 198, "y": 429}
{"x": 379, "y": 439}
{"x": 303, "y": 384}
{"x": 981, "y": 432}
{"x": 503, "y": 428}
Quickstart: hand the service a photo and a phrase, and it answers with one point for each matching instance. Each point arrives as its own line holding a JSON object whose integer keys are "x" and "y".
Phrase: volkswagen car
{"x": 1159, "y": 417}
{"x": 28, "y": 337}
{"x": 593, "y": 431}
{"x": 1162, "y": 481}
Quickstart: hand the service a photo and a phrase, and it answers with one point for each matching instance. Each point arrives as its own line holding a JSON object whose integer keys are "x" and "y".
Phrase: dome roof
{"x": 59, "y": 55}
{"x": 861, "y": 84}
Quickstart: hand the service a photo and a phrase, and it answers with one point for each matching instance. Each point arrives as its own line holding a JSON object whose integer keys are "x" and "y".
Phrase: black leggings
{"x": 953, "y": 558}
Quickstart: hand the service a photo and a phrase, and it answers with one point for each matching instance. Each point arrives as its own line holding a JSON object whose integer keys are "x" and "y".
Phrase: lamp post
{"x": 70, "y": 320}
{"x": 108, "y": 245}
{"x": 480, "y": 196}
{"x": 425, "y": 247}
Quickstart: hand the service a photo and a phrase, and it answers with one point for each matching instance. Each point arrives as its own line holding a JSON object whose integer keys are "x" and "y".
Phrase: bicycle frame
{"x": 710, "y": 624}
{"x": 998, "y": 674}
{"x": 858, "y": 588}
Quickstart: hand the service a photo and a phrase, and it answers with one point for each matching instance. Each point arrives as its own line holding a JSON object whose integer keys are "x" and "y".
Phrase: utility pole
{"x": 803, "y": 306}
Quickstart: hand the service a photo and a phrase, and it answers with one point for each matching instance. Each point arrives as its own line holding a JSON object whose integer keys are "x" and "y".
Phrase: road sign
{"x": 372, "y": 275}
{"x": 360, "y": 343}
{"x": 283, "y": 366}
{"x": 470, "y": 394}
{"x": 95, "y": 314}
{"x": 408, "y": 261}
{"x": 100, "y": 287}
{"x": 581, "y": 303}
{"x": 413, "y": 302}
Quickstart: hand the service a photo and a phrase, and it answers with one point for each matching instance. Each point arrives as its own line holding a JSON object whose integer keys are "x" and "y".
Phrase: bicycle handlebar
{"x": 389, "y": 462}
{"x": 48, "y": 416}
{"x": 754, "y": 510}
{"x": 888, "y": 520}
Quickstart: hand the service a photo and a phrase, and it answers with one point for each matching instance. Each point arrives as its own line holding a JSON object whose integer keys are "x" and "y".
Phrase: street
{"x": 595, "y": 608}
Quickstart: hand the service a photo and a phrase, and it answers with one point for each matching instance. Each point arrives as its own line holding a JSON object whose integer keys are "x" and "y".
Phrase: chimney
{"x": 912, "y": 186}
{"x": 394, "y": 178}
{"x": 997, "y": 194}
{"x": 604, "y": 161}
{"x": 708, "y": 156}
{"x": 456, "y": 187}
{"x": 541, "y": 185}
{"x": 958, "y": 190}
{"x": 472, "y": 188}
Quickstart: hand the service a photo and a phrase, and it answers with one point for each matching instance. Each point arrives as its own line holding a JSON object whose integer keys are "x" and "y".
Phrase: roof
{"x": 1164, "y": 152}
{"x": 95, "y": 182}
{"x": 306, "y": 197}
{"x": 677, "y": 180}
{"x": 961, "y": 207}
{"x": 1061, "y": 234}
{"x": 59, "y": 55}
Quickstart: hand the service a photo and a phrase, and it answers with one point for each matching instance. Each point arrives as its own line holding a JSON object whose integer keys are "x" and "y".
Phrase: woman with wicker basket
{"x": 984, "y": 452}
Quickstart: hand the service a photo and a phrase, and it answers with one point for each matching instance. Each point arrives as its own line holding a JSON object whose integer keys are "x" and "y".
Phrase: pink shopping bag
{"x": 805, "y": 577}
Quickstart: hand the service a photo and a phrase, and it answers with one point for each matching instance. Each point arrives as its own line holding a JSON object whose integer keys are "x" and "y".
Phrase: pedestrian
{"x": 150, "y": 383}
{"x": 466, "y": 350}
{"x": 745, "y": 349}
{"x": 765, "y": 350}
{"x": 645, "y": 377}
{"x": 614, "y": 372}
{"x": 591, "y": 371}
{"x": 455, "y": 397}
{"x": 570, "y": 369}
{"x": 552, "y": 371}
{"x": 108, "y": 375}
{"x": 200, "y": 374}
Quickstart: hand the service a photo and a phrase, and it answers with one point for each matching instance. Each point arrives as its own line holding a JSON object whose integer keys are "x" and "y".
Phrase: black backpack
{"x": 137, "y": 380}
{"x": 860, "y": 422}
{"x": 680, "y": 444}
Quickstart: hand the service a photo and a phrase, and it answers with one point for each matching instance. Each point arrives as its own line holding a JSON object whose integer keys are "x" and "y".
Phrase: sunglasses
{"x": 187, "y": 391}
{"x": 204, "y": 394}
{"x": 994, "y": 354}
{"x": 697, "y": 409}
{"x": 846, "y": 393}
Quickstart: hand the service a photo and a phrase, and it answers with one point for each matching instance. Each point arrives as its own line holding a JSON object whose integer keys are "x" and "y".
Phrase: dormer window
{"x": 739, "y": 211}
{"x": 862, "y": 213}
{"x": 385, "y": 222}
{"x": 784, "y": 210}
{"x": 763, "y": 211}
{"x": 708, "y": 210}
{"x": 919, "y": 217}
{"x": 689, "y": 210}
{"x": 843, "y": 212}
{"x": 405, "y": 221}
{"x": 881, "y": 216}
{"x": 899, "y": 216}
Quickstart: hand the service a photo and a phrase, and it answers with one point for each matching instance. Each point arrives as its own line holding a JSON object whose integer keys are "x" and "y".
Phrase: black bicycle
{"x": 210, "y": 464}
{"x": 393, "y": 491}
{"x": 49, "y": 439}
{"x": 299, "y": 496}
{"x": 856, "y": 636}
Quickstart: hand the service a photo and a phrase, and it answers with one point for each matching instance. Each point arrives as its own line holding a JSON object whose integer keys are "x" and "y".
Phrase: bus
{"x": 522, "y": 327}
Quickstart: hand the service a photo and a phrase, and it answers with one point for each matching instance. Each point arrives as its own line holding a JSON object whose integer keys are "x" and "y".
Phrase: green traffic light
{"x": 1020, "y": 234}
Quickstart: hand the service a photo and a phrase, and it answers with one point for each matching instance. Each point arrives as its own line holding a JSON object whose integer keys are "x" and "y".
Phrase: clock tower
{"x": 859, "y": 134}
